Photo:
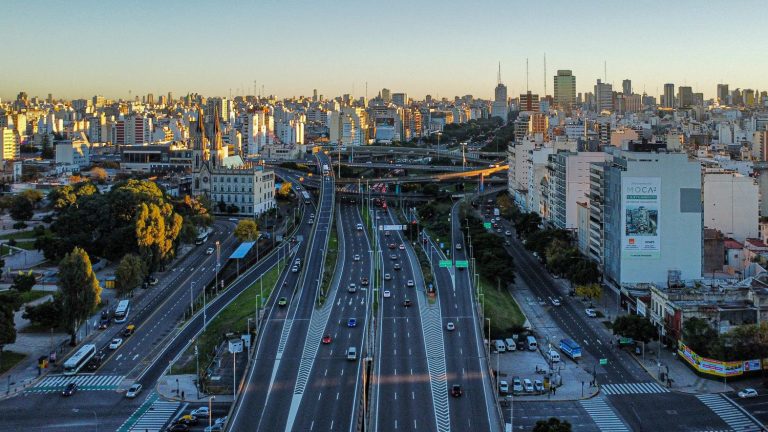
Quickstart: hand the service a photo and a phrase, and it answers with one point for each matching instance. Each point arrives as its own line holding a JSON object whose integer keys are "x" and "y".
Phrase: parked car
{"x": 538, "y": 385}
{"x": 503, "y": 387}
{"x": 517, "y": 385}
{"x": 528, "y": 385}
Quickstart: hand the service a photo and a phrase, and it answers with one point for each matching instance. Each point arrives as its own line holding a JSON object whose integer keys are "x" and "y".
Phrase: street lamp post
{"x": 218, "y": 264}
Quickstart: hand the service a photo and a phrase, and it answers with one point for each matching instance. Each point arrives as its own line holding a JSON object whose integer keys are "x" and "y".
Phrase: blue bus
{"x": 570, "y": 348}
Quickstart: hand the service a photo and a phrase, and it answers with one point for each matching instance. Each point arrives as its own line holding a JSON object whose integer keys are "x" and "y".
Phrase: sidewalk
{"x": 168, "y": 385}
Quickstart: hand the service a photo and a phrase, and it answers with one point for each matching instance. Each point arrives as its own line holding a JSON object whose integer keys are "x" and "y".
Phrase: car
{"x": 410, "y": 283}
{"x": 188, "y": 420}
{"x": 220, "y": 420}
{"x": 386, "y": 233}
{"x": 456, "y": 390}
{"x": 219, "y": 427}
{"x": 503, "y": 387}
{"x": 104, "y": 323}
{"x": 128, "y": 330}
{"x": 356, "y": 257}
{"x": 282, "y": 302}
{"x": 352, "y": 353}
{"x": 178, "y": 427}
{"x": 133, "y": 391}
{"x": 748, "y": 393}
{"x": 507, "y": 233}
{"x": 327, "y": 339}
{"x": 450, "y": 326}
{"x": 200, "y": 412}
{"x": 498, "y": 230}
{"x": 517, "y": 385}
{"x": 392, "y": 246}
{"x": 590, "y": 313}
{"x": 295, "y": 269}
{"x": 209, "y": 251}
{"x": 407, "y": 303}
{"x": 555, "y": 301}
{"x": 458, "y": 246}
{"x": 352, "y": 322}
{"x": 396, "y": 266}
{"x": 387, "y": 294}
{"x": 387, "y": 276}
{"x": 70, "y": 389}
{"x": 115, "y": 343}
{"x": 364, "y": 281}
{"x": 538, "y": 385}
{"x": 401, "y": 247}
{"x": 393, "y": 257}
{"x": 99, "y": 357}
{"x": 528, "y": 385}
{"x": 359, "y": 227}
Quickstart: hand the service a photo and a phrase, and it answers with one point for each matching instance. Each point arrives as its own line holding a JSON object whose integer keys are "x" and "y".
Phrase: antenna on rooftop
{"x": 526, "y": 75}
{"x": 498, "y": 77}
{"x": 605, "y": 70}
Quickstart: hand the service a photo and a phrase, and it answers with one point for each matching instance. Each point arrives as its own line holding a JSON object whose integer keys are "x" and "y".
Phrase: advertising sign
{"x": 716, "y": 367}
{"x": 640, "y": 203}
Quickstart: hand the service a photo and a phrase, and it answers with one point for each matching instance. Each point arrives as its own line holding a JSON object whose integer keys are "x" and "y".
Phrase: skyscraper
{"x": 722, "y": 94}
{"x": 386, "y": 95}
{"x": 603, "y": 96}
{"x": 685, "y": 96}
{"x": 565, "y": 89}
{"x": 668, "y": 100}
{"x": 626, "y": 86}
{"x": 500, "y": 107}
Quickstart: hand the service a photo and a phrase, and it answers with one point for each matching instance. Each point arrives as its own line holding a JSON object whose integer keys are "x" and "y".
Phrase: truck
{"x": 570, "y": 348}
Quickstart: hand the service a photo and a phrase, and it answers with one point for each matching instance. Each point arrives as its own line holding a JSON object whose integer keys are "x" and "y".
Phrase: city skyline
{"x": 186, "y": 47}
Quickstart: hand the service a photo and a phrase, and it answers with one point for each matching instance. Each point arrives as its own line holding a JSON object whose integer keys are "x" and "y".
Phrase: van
{"x": 553, "y": 356}
{"x": 500, "y": 346}
{"x": 510, "y": 344}
{"x": 532, "y": 344}
{"x": 351, "y": 353}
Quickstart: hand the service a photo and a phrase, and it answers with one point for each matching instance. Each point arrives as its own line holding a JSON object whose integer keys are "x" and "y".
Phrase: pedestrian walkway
{"x": 603, "y": 415}
{"x": 727, "y": 411}
{"x": 633, "y": 388}
{"x": 151, "y": 416}
{"x": 56, "y": 383}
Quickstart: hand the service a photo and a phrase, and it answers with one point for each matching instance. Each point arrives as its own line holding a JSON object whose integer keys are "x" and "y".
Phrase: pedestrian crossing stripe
{"x": 54, "y": 383}
{"x": 151, "y": 416}
{"x": 728, "y": 412}
{"x": 633, "y": 388}
{"x": 603, "y": 415}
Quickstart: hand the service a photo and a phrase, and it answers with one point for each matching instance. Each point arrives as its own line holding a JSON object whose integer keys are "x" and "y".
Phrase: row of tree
{"x": 744, "y": 342}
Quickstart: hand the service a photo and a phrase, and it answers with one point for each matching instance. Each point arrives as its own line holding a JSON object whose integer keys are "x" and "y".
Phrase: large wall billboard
{"x": 640, "y": 203}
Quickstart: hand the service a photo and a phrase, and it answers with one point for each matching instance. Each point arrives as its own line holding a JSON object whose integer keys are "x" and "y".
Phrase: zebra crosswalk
{"x": 603, "y": 415}
{"x": 728, "y": 412}
{"x": 151, "y": 416}
{"x": 55, "y": 383}
{"x": 633, "y": 388}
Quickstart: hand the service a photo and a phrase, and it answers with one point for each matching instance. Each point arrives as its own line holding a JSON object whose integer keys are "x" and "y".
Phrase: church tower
{"x": 218, "y": 153}
{"x": 199, "y": 149}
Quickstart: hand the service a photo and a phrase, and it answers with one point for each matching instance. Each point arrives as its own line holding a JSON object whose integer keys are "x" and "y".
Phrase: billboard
{"x": 640, "y": 204}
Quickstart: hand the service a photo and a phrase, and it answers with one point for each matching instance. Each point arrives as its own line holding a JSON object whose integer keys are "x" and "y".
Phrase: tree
{"x": 22, "y": 208}
{"x": 7, "y": 329}
{"x": 285, "y": 190}
{"x": 590, "y": 291}
{"x": 552, "y": 425}
{"x": 46, "y": 149}
{"x": 46, "y": 315}
{"x": 23, "y": 282}
{"x": 129, "y": 274}
{"x": 634, "y": 326}
{"x": 698, "y": 334}
{"x": 247, "y": 230}
{"x": 80, "y": 290}
{"x": 156, "y": 233}
{"x": 99, "y": 175}
{"x": 33, "y": 195}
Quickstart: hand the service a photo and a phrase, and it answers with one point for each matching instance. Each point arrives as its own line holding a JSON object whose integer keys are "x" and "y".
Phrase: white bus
{"x": 121, "y": 313}
{"x": 77, "y": 361}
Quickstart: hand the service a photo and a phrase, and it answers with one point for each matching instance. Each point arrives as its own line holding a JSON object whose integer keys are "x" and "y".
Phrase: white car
{"x": 387, "y": 276}
{"x": 528, "y": 385}
{"x": 503, "y": 387}
{"x": 507, "y": 233}
{"x": 133, "y": 391}
{"x": 555, "y": 301}
{"x": 356, "y": 257}
{"x": 458, "y": 246}
{"x": 410, "y": 283}
{"x": 200, "y": 412}
{"x": 450, "y": 326}
{"x": 590, "y": 313}
{"x": 209, "y": 251}
{"x": 359, "y": 227}
{"x": 748, "y": 393}
{"x": 387, "y": 294}
{"x": 115, "y": 344}
{"x": 402, "y": 246}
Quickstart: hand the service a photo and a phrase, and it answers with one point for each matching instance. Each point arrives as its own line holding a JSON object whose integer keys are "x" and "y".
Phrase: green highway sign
{"x": 603, "y": 362}
{"x": 462, "y": 264}
{"x": 445, "y": 263}
{"x": 487, "y": 225}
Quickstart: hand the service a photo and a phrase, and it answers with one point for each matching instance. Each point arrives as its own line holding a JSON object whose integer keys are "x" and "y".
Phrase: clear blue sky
{"x": 80, "y": 48}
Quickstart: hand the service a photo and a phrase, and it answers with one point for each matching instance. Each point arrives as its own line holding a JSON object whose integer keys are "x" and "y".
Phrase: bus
{"x": 121, "y": 313}
{"x": 79, "y": 359}
{"x": 325, "y": 169}
{"x": 202, "y": 238}
{"x": 305, "y": 195}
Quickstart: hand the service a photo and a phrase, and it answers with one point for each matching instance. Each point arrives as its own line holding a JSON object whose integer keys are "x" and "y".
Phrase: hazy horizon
{"x": 78, "y": 49}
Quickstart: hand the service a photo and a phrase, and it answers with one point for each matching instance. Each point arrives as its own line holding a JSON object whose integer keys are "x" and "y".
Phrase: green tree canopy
{"x": 80, "y": 290}
{"x": 23, "y": 282}
{"x": 552, "y": 425}
{"x": 7, "y": 329}
{"x": 634, "y": 326}
{"x": 129, "y": 274}
{"x": 22, "y": 208}
{"x": 247, "y": 230}
{"x": 46, "y": 315}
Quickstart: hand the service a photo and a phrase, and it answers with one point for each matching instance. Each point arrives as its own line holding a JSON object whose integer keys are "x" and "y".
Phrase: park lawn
{"x": 26, "y": 245}
{"x": 502, "y": 309}
{"x": 9, "y": 359}
{"x": 33, "y": 295}
{"x": 234, "y": 318}
{"x": 19, "y": 235}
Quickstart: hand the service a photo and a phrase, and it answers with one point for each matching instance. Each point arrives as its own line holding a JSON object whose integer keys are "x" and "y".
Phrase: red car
{"x": 327, "y": 339}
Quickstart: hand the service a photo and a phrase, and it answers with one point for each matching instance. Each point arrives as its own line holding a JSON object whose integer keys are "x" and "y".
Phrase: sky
{"x": 76, "y": 48}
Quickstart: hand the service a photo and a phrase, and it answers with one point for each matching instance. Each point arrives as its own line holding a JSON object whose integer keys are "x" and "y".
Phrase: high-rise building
{"x": 568, "y": 184}
{"x": 603, "y": 96}
{"x": 400, "y": 99}
{"x": 565, "y": 89}
{"x": 386, "y": 95}
{"x": 722, "y": 94}
{"x": 626, "y": 86}
{"x": 685, "y": 97}
{"x": 314, "y": 95}
{"x": 668, "y": 99}
{"x": 500, "y": 106}
{"x": 529, "y": 102}
{"x": 9, "y": 144}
